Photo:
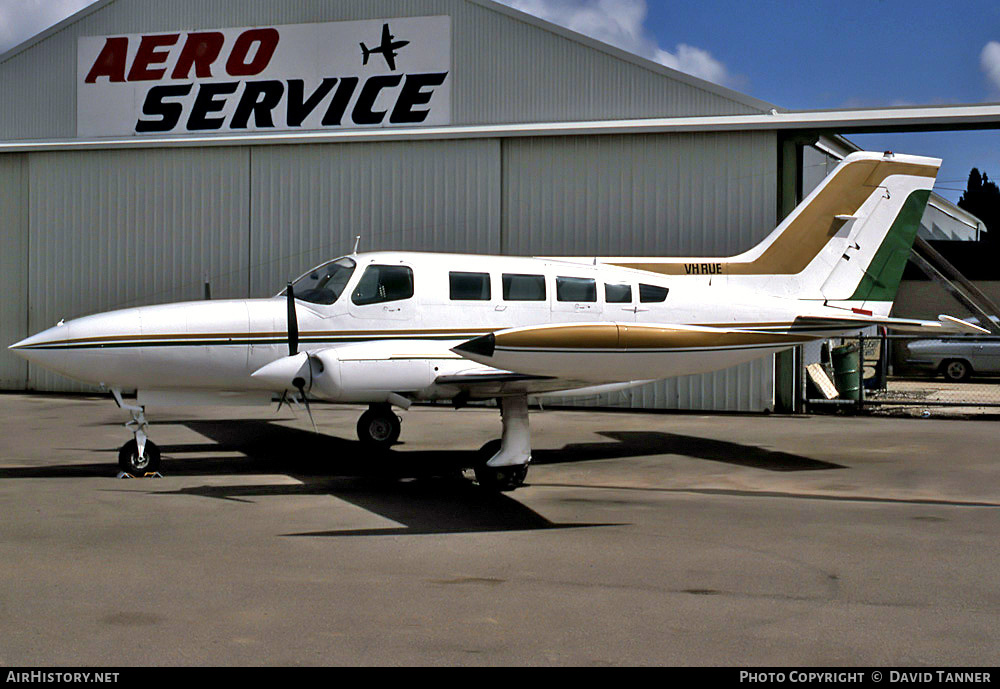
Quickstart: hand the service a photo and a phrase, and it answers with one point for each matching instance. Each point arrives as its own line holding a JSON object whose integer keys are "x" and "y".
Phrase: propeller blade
{"x": 300, "y": 385}
{"x": 293, "y": 322}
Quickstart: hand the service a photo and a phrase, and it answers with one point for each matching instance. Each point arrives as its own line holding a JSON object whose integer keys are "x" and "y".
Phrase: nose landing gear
{"x": 140, "y": 455}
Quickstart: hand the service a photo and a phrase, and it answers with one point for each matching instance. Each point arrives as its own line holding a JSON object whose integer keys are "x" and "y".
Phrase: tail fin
{"x": 879, "y": 241}
{"x": 848, "y": 241}
{"x": 365, "y": 54}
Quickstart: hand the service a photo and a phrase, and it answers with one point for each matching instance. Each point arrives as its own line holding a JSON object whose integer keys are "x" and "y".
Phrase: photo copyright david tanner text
{"x": 890, "y": 676}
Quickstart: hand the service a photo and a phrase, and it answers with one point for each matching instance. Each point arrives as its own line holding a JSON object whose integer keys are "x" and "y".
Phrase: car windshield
{"x": 325, "y": 284}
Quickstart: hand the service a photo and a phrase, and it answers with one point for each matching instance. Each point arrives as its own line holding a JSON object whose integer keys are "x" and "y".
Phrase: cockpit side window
{"x": 325, "y": 284}
{"x": 383, "y": 283}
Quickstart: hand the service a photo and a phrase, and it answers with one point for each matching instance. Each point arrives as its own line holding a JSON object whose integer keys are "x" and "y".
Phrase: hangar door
{"x": 652, "y": 195}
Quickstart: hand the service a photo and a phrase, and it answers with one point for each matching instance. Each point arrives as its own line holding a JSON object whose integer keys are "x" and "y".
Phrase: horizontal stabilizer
{"x": 963, "y": 326}
{"x": 944, "y": 324}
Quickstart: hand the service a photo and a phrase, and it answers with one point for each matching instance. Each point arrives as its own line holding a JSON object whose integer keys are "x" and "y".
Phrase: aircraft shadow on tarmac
{"x": 421, "y": 489}
{"x": 639, "y": 443}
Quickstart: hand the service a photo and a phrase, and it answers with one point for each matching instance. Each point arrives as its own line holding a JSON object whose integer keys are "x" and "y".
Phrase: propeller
{"x": 299, "y": 383}
{"x": 293, "y": 322}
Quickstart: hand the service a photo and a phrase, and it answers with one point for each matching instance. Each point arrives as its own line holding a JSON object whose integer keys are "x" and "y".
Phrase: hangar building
{"x": 148, "y": 148}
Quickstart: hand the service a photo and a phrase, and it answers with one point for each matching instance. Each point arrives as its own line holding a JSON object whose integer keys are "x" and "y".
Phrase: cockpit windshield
{"x": 325, "y": 284}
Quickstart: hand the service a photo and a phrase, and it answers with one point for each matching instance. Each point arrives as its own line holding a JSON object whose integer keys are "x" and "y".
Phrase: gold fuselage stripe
{"x": 621, "y": 336}
{"x": 279, "y": 337}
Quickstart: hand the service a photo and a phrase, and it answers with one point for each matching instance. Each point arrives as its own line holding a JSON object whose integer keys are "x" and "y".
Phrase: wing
{"x": 415, "y": 369}
{"x": 599, "y": 353}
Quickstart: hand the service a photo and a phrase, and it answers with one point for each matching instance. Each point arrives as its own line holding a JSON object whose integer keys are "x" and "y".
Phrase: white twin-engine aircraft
{"x": 390, "y": 328}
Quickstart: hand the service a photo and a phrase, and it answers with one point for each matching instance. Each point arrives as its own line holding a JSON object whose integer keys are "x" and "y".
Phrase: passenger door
{"x": 620, "y": 301}
{"x": 652, "y": 304}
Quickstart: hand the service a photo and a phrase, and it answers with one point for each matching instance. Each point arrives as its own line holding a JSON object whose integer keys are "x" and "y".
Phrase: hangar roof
{"x": 507, "y": 67}
{"x": 537, "y": 79}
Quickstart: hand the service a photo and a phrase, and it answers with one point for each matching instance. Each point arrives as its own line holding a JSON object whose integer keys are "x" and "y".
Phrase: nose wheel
{"x": 132, "y": 462}
{"x": 378, "y": 428}
{"x": 140, "y": 455}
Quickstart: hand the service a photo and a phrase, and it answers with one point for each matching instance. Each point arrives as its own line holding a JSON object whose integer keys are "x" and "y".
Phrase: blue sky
{"x": 850, "y": 53}
{"x": 797, "y": 55}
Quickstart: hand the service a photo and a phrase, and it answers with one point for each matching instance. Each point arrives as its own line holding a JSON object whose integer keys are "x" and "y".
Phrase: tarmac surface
{"x": 641, "y": 539}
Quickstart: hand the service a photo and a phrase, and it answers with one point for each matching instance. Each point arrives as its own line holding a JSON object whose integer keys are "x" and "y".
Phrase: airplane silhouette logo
{"x": 387, "y": 48}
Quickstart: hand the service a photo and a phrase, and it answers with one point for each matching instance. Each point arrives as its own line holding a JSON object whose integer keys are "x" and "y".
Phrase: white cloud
{"x": 621, "y": 23}
{"x": 22, "y": 19}
{"x": 695, "y": 61}
{"x": 990, "y": 62}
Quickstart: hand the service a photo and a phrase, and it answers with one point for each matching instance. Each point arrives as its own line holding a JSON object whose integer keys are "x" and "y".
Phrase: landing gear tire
{"x": 505, "y": 478}
{"x": 378, "y": 428}
{"x": 956, "y": 370}
{"x": 131, "y": 463}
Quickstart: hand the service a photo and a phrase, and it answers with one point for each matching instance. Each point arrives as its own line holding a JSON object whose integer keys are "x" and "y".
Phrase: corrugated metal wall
{"x": 659, "y": 195}
{"x": 117, "y": 228}
{"x": 504, "y": 69}
{"x": 309, "y": 202}
{"x": 114, "y": 229}
{"x": 677, "y": 195}
{"x": 111, "y": 229}
{"x": 13, "y": 267}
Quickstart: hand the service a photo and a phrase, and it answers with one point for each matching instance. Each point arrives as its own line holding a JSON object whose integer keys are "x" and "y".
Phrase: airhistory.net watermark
{"x": 48, "y": 677}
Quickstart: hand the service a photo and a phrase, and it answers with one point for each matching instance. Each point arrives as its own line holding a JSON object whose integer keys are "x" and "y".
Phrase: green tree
{"x": 982, "y": 198}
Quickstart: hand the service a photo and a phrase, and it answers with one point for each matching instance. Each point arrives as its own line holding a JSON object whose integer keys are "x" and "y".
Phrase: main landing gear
{"x": 378, "y": 428}
{"x": 140, "y": 455}
{"x": 503, "y": 464}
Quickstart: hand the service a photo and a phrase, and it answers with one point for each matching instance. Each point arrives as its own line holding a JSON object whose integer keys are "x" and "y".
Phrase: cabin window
{"x": 576, "y": 289}
{"x": 325, "y": 284}
{"x": 469, "y": 286}
{"x": 383, "y": 283}
{"x": 618, "y": 293}
{"x": 652, "y": 293}
{"x": 518, "y": 287}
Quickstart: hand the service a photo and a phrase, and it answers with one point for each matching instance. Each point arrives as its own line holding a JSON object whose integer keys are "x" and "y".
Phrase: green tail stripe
{"x": 881, "y": 280}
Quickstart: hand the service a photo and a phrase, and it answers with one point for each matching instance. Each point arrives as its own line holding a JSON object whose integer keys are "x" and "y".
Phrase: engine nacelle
{"x": 356, "y": 374}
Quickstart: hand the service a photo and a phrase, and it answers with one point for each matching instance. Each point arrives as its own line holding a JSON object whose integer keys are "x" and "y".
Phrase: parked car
{"x": 956, "y": 358}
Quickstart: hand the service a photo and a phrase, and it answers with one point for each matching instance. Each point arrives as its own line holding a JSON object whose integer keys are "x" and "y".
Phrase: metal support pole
{"x": 861, "y": 371}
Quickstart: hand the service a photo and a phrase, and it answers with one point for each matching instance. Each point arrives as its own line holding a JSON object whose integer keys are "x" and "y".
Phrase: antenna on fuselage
{"x": 357, "y": 241}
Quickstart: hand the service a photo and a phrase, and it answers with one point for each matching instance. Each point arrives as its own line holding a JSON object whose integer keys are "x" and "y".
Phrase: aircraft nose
{"x": 29, "y": 347}
{"x": 76, "y": 348}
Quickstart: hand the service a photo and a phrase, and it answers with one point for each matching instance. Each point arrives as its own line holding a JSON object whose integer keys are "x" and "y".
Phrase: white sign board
{"x": 307, "y": 77}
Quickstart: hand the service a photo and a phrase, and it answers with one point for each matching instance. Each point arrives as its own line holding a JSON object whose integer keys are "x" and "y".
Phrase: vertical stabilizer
{"x": 847, "y": 241}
